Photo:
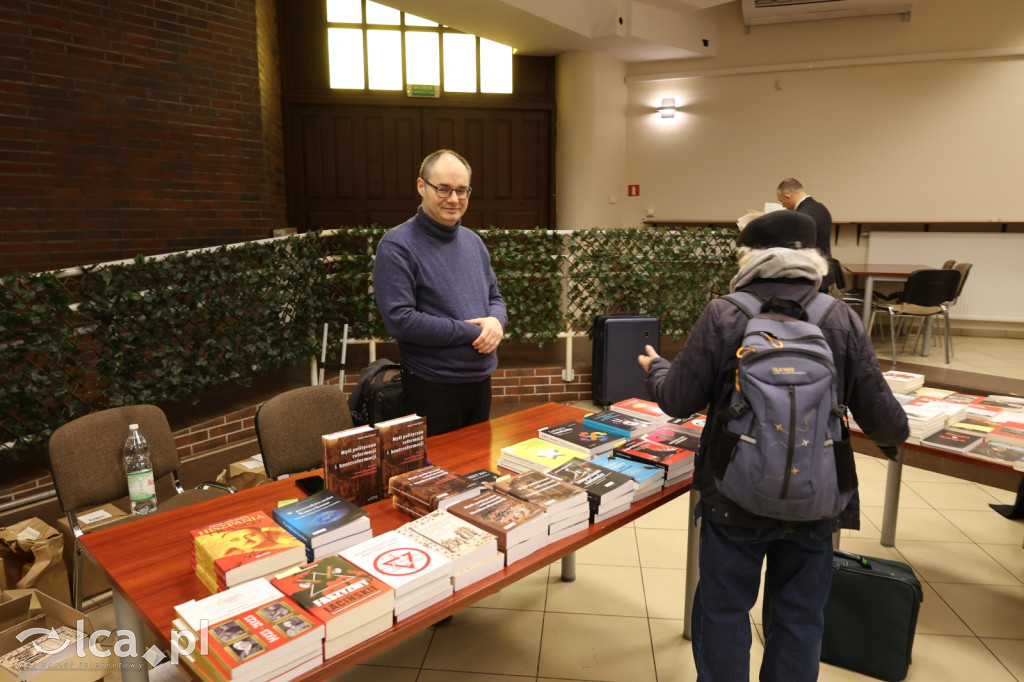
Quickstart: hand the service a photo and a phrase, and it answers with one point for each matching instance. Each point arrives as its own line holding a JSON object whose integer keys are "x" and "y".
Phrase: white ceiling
{"x": 629, "y": 30}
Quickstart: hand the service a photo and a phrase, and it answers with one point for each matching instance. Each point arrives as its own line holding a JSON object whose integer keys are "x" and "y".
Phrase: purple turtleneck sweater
{"x": 428, "y": 278}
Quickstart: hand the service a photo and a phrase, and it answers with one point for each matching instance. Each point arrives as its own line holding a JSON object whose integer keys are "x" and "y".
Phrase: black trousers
{"x": 447, "y": 406}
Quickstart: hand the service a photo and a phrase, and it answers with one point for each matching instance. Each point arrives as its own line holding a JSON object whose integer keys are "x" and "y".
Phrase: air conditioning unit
{"x": 783, "y": 11}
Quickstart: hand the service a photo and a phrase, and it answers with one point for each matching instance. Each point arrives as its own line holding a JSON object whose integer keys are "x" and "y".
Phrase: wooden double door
{"x": 353, "y": 166}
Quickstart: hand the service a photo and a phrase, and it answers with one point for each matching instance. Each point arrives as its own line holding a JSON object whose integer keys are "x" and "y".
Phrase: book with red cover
{"x": 639, "y": 407}
{"x": 663, "y": 454}
{"x": 339, "y": 593}
{"x": 253, "y": 627}
{"x": 352, "y": 464}
{"x": 403, "y": 447}
{"x": 249, "y": 546}
{"x": 1010, "y": 433}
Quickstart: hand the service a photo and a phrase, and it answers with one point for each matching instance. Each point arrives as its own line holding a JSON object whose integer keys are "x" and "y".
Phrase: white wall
{"x": 930, "y": 140}
{"x": 591, "y": 137}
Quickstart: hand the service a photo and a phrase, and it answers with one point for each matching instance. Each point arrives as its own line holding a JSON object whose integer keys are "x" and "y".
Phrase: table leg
{"x": 865, "y": 310}
{"x": 569, "y": 568}
{"x": 892, "y": 500}
{"x": 692, "y": 563}
{"x": 134, "y": 668}
{"x": 926, "y": 336}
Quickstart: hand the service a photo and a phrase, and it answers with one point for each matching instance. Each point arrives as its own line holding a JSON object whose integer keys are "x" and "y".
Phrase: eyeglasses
{"x": 445, "y": 192}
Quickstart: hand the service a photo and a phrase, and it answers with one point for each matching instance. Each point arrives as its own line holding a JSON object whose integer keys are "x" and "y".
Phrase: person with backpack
{"x": 776, "y": 364}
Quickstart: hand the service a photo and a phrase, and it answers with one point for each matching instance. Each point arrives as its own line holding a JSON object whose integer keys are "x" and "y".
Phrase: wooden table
{"x": 880, "y": 272}
{"x": 147, "y": 561}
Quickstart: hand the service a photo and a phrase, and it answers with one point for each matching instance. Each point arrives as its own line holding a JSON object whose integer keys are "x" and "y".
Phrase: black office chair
{"x": 926, "y": 293}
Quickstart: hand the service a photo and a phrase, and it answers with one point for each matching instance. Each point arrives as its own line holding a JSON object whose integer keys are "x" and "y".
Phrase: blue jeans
{"x": 798, "y": 579}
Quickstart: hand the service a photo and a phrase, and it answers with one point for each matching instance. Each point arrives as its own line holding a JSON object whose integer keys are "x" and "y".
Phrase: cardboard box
{"x": 21, "y": 610}
{"x": 252, "y": 465}
{"x": 93, "y": 580}
{"x": 32, "y": 556}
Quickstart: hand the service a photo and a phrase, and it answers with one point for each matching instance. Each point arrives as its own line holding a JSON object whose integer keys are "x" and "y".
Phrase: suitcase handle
{"x": 850, "y": 556}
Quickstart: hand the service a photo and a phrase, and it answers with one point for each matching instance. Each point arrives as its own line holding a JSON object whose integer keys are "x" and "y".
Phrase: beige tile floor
{"x": 622, "y": 619}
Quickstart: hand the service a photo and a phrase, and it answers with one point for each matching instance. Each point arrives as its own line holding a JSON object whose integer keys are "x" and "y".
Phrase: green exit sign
{"x": 423, "y": 91}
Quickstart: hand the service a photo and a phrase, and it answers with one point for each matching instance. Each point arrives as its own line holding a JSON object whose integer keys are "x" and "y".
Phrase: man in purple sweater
{"x": 439, "y": 299}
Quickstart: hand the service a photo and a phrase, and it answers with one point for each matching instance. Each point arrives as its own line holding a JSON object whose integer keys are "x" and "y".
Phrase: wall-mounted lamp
{"x": 667, "y": 108}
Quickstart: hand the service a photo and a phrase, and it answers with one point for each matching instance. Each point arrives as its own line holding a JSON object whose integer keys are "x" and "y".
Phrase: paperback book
{"x": 401, "y": 563}
{"x": 580, "y": 438}
{"x": 403, "y": 447}
{"x": 556, "y": 496}
{"x": 1000, "y": 452}
{"x": 462, "y": 543}
{"x": 642, "y": 409}
{"x": 953, "y": 441}
{"x": 694, "y": 424}
{"x": 903, "y": 382}
{"x": 250, "y": 546}
{"x": 321, "y": 519}
{"x": 338, "y": 593}
{"x": 1011, "y": 433}
{"x": 511, "y": 520}
{"x": 432, "y": 487}
{"x": 534, "y": 454}
{"x": 253, "y": 631}
{"x": 647, "y": 478}
{"x": 671, "y": 458}
{"x": 352, "y": 464}
{"x": 618, "y": 424}
{"x": 605, "y": 488}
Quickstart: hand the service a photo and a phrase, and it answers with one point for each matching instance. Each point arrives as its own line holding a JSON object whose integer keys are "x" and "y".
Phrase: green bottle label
{"x": 140, "y": 486}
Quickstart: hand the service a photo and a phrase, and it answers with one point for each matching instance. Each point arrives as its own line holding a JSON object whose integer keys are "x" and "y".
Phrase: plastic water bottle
{"x": 139, "y": 468}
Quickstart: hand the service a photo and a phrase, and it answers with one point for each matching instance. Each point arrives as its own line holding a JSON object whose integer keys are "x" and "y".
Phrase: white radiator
{"x": 993, "y": 289}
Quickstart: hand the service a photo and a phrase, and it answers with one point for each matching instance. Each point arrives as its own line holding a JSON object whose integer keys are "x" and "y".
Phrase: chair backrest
{"x": 964, "y": 269}
{"x": 930, "y": 288}
{"x": 948, "y": 264}
{"x": 289, "y": 427}
{"x": 837, "y": 270}
{"x": 86, "y": 457}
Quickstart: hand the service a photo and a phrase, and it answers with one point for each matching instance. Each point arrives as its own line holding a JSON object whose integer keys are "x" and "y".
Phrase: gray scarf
{"x": 776, "y": 263}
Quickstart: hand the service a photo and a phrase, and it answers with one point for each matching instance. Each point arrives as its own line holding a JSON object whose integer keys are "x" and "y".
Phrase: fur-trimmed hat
{"x": 783, "y": 229}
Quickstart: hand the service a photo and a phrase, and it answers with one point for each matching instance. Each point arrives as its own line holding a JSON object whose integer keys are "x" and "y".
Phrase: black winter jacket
{"x": 700, "y": 377}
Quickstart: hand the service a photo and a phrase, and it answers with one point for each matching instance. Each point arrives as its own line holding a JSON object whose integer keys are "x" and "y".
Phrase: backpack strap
{"x": 746, "y": 302}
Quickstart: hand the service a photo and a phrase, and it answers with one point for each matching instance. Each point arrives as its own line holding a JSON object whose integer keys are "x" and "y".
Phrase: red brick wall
{"x": 136, "y": 126}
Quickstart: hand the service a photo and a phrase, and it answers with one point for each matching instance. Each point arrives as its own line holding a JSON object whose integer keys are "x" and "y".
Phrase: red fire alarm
{"x": 634, "y": 191}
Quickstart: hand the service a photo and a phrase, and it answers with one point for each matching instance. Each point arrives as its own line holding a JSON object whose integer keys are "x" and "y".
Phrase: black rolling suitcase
{"x": 871, "y": 616}
{"x": 618, "y": 340}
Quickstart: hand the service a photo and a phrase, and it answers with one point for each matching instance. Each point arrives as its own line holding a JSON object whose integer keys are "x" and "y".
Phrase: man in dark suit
{"x": 791, "y": 194}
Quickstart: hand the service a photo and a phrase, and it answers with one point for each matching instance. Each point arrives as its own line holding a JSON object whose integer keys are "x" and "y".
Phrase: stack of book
{"x": 353, "y": 604}
{"x": 932, "y": 392}
{"x": 903, "y": 382}
{"x": 954, "y": 441}
{"x": 619, "y": 424}
{"x": 647, "y": 478}
{"x": 1000, "y": 452}
{"x": 473, "y": 552}
{"x": 534, "y": 454}
{"x": 419, "y": 576}
{"x": 567, "y": 506}
{"x": 608, "y": 492}
{"x": 251, "y": 632}
{"x": 325, "y": 522}
{"x": 403, "y": 447}
{"x": 923, "y": 421}
{"x": 521, "y": 527}
{"x": 1006, "y": 403}
{"x": 693, "y": 425}
{"x": 352, "y": 464}
{"x": 673, "y": 452}
{"x": 954, "y": 411}
{"x": 582, "y": 439}
{"x": 421, "y": 491}
{"x": 250, "y": 546}
{"x": 973, "y": 424}
{"x": 1008, "y": 433}
{"x": 642, "y": 409}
